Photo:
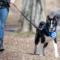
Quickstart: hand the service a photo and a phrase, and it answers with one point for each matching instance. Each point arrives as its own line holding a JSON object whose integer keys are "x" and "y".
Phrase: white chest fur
{"x": 48, "y": 38}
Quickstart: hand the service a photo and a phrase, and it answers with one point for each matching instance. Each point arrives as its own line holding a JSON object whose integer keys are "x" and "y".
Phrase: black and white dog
{"x": 46, "y": 34}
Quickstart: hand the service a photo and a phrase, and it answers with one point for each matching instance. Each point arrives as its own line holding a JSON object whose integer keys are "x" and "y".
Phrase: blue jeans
{"x": 3, "y": 17}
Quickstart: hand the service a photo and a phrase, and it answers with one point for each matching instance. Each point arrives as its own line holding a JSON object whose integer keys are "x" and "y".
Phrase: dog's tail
{"x": 41, "y": 25}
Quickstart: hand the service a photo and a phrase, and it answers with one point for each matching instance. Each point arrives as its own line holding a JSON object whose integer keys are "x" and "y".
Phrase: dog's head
{"x": 51, "y": 23}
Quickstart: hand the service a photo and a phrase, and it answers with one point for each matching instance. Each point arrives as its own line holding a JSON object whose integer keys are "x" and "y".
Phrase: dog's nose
{"x": 51, "y": 28}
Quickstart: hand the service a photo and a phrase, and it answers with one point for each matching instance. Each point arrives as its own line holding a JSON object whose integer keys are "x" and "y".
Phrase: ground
{"x": 20, "y": 47}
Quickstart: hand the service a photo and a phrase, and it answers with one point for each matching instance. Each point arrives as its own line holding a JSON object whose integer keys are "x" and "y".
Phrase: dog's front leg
{"x": 55, "y": 47}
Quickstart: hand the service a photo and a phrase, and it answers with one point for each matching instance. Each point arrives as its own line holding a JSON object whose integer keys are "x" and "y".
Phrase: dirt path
{"x": 19, "y": 47}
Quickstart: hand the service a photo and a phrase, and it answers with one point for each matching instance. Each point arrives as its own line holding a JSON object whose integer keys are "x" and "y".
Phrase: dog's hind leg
{"x": 55, "y": 47}
{"x": 36, "y": 42}
{"x": 35, "y": 49}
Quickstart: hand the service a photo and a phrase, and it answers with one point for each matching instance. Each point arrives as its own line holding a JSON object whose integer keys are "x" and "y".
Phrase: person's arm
{"x": 12, "y": 1}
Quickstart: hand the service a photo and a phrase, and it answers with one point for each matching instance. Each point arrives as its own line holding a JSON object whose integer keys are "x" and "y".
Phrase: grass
{"x": 58, "y": 35}
{"x": 24, "y": 33}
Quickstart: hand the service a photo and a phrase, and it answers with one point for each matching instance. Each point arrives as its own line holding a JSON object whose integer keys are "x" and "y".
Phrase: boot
{"x": 1, "y": 45}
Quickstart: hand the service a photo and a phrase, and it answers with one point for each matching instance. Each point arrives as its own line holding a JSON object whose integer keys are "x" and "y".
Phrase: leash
{"x": 27, "y": 18}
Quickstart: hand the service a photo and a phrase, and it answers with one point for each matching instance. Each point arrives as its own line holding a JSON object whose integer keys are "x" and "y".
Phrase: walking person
{"x": 4, "y": 10}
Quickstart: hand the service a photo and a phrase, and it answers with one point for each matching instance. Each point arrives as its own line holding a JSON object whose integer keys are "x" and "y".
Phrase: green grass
{"x": 58, "y": 35}
{"x": 24, "y": 33}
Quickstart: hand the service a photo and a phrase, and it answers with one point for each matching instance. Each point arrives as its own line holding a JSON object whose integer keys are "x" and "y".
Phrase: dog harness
{"x": 51, "y": 34}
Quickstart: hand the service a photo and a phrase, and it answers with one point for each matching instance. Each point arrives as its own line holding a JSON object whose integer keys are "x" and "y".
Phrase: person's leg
{"x": 0, "y": 29}
{"x": 3, "y": 17}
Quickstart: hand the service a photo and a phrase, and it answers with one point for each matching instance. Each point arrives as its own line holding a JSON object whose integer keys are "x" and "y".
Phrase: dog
{"x": 47, "y": 34}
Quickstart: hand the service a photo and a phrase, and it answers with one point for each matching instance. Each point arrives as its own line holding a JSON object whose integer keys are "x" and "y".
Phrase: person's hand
{"x": 12, "y": 1}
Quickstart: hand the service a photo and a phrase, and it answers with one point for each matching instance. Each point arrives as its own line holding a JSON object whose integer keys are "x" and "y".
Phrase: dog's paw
{"x": 34, "y": 52}
{"x": 57, "y": 56}
{"x": 40, "y": 54}
{"x": 44, "y": 54}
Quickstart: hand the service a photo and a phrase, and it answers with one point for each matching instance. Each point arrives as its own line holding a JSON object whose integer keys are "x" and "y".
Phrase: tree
{"x": 34, "y": 10}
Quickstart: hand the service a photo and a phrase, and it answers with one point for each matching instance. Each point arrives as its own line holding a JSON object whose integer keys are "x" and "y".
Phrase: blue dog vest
{"x": 51, "y": 34}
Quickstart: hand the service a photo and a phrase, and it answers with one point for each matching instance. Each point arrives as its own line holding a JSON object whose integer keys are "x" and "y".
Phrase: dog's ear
{"x": 48, "y": 17}
{"x": 54, "y": 18}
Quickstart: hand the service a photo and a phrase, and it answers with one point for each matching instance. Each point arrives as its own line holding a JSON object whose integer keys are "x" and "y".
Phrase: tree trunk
{"x": 34, "y": 10}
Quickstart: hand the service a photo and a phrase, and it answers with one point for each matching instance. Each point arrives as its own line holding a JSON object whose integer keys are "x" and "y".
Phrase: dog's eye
{"x": 54, "y": 22}
{"x": 48, "y": 21}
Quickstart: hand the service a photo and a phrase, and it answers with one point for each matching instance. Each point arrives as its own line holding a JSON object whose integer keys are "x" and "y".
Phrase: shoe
{"x": 1, "y": 45}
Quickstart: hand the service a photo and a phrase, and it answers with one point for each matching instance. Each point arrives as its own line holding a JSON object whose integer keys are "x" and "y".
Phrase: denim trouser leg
{"x": 3, "y": 17}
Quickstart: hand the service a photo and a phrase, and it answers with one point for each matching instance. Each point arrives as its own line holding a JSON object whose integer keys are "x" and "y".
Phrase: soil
{"x": 21, "y": 47}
